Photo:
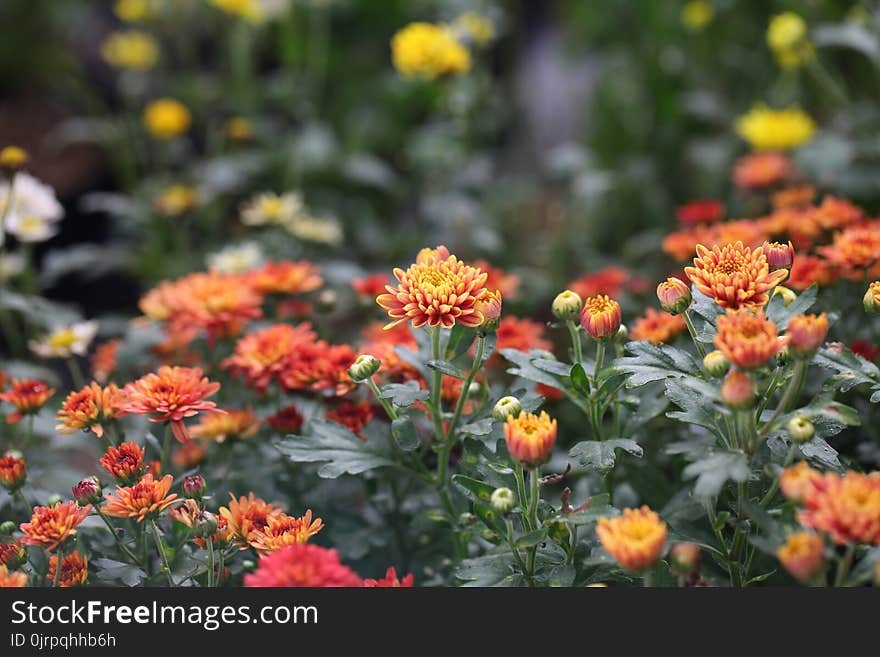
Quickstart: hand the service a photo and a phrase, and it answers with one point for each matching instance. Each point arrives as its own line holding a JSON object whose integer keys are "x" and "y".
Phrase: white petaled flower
{"x": 33, "y": 210}
{"x": 313, "y": 229}
{"x": 236, "y": 259}
{"x": 11, "y": 265}
{"x": 66, "y": 341}
{"x": 271, "y": 209}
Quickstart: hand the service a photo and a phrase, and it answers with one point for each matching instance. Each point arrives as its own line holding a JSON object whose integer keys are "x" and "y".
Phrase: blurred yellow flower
{"x": 132, "y": 49}
{"x": 315, "y": 229}
{"x": 478, "y": 29}
{"x": 775, "y": 130}
{"x": 166, "y": 118}
{"x": 253, "y": 11}
{"x": 428, "y": 51}
{"x": 697, "y": 14}
{"x": 272, "y": 209}
{"x": 787, "y": 38}
{"x": 132, "y": 11}
{"x": 174, "y": 200}
{"x": 238, "y": 128}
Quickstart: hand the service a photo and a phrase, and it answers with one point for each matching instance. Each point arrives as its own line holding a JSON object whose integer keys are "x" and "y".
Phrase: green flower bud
{"x": 800, "y": 429}
{"x": 6, "y": 528}
{"x": 54, "y": 500}
{"x": 567, "y": 305}
{"x": 364, "y": 367}
{"x": 716, "y": 364}
{"x": 503, "y": 500}
{"x": 506, "y": 406}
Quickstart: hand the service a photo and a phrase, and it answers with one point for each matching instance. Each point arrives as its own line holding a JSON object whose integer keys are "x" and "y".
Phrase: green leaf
{"x": 108, "y": 570}
{"x": 714, "y": 470}
{"x": 343, "y": 451}
{"x": 848, "y": 34}
{"x": 778, "y": 312}
{"x": 599, "y": 507}
{"x": 601, "y": 454}
{"x": 403, "y": 394}
{"x": 852, "y": 370}
{"x": 533, "y": 538}
{"x": 650, "y": 362}
{"x": 579, "y": 379}
{"x": 404, "y": 433}
{"x": 695, "y": 398}
{"x": 475, "y": 491}
{"x": 479, "y": 428}
{"x": 447, "y": 368}
{"x": 526, "y": 368}
{"x": 817, "y": 449}
{"x": 495, "y": 569}
{"x": 460, "y": 340}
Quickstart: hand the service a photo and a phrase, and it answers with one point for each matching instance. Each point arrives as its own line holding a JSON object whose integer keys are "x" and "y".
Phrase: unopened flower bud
{"x": 474, "y": 389}
{"x": 12, "y": 160}
{"x": 490, "y": 307}
{"x": 600, "y": 317}
{"x": 13, "y": 471}
{"x": 567, "y": 305}
{"x": 805, "y": 334}
{"x": 871, "y": 300}
{"x": 12, "y": 555}
{"x": 204, "y": 525}
{"x": 54, "y": 500}
{"x": 779, "y": 256}
{"x": 506, "y": 406}
{"x": 194, "y": 487}
{"x": 684, "y": 558}
{"x": 674, "y": 295}
{"x": 6, "y": 528}
{"x": 787, "y": 294}
{"x": 530, "y": 438}
{"x": 716, "y": 364}
{"x": 364, "y": 367}
{"x": 622, "y": 333}
{"x": 503, "y": 500}
{"x": 88, "y": 491}
{"x": 738, "y": 391}
{"x": 800, "y": 429}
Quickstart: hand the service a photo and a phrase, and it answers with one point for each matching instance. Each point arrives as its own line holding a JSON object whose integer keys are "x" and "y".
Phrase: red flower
{"x": 703, "y": 211}
{"x": 125, "y": 463}
{"x": 353, "y": 415}
{"x": 287, "y": 420}
{"x": 302, "y": 565}
{"x": 389, "y": 581}
{"x": 28, "y": 396}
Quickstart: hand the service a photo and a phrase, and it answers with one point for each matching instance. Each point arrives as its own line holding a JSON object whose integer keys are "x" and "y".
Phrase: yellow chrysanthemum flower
{"x": 787, "y": 38}
{"x": 166, "y": 118}
{"x": 132, "y": 50}
{"x": 696, "y": 15}
{"x": 429, "y": 51}
{"x": 775, "y": 130}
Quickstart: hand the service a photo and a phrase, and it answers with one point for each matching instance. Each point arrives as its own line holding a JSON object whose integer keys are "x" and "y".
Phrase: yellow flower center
{"x": 63, "y": 339}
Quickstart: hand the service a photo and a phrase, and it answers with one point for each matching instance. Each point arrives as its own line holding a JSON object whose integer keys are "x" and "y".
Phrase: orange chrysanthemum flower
{"x": 601, "y": 317}
{"x": 88, "y": 409}
{"x": 125, "y": 463}
{"x": 748, "y": 340}
{"x": 282, "y": 530}
{"x": 680, "y": 245}
{"x": 806, "y": 333}
{"x": 855, "y": 249}
{"x": 13, "y": 472}
{"x": 74, "y": 569}
{"x": 302, "y": 565}
{"x": 760, "y": 170}
{"x": 610, "y": 281}
{"x": 28, "y": 396}
{"x": 520, "y": 334}
{"x": 530, "y": 438}
{"x": 810, "y": 269}
{"x": 12, "y": 579}
{"x": 846, "y": 508}
{"x": 734, "y": 275}
{"x": 700, "y": 211}
{"x": 12, "y": 555}
{"x": 436, "y": 291}
{"x": 321, "y": 367}
{"x": 229, "y": 425}
{"x": 370, "y": 287}
{"x": 287, "y": 277}
{"x": 795, "y": 482}
{"x": 390, "y": 581}
{"x": 170, "y": 395}
{"x": 50, "y": 526}
{"x": 352, "y": 415}
{"x": 265, "y": 355}
{"x": 657, "y": 327}
{"x": 835, "y": 213}
{"x": 188, "y": 455}
{"x": 793, "y": 197}
{"x": 104, "y": 360}
{"x": 146, "y": 499}
{"x": 802, "y": 555}
{"x": 634, "y": 539}
{"x": 246, "y": 515}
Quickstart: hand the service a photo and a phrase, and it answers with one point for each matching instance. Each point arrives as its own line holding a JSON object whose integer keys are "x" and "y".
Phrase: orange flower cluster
{"x": 854, "y": 250}
{"x": 748, "y": 340}
{"x": 370, "y": 287}
{"x": 144, "y": 500}
{"x": 802, "y": 555}
{"x": 246, "y": 515}
{"x": 235, "y": 424}
{"x": 12, "y": 555}
{"x": 74, "y": 569}
{"x": 734, "y": 275}
{"x": 12, "y": 579}
{"x": 89, "y": 408}
{"x": 498, "y": 279}
{"x": 28, "y": 396}
{"x": 761, "y": 170}
{"x": 13, "y": 472}
{"x": 521, "y": 334}
{"x": 282, "y": 530}
{"x": 635, "y": 539}
{"x": 354, "y": 415}
{"x": 50, "y": 526}
{"x": 610, "y": 280}
{"x": 125, "y": 463}
{"x": 657, "y": 327}
{"x": 170, "y": 395}
{"x": 287, "y": 420}
{"x": 437, "y": 290}
{"x": 847, "y": 507}
{"x": 286, "y": 277}
{"x": 302, "y": 565}
{"x": 795, "y": 482}
{"x": 530, "y": 438}
{"x": 806, "y": 333}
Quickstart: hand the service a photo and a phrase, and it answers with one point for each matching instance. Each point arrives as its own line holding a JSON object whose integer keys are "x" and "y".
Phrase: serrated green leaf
{"x": 343, "y": 451}
{"x": 447, "y": 368}
{"x": 778, "y": 312}
{"x": 404, "y": 433}
{"x": 479, "y": 428}
{"x": 714, "y": 470}
{"x": 476, "y": 491}
{"x": 649, "y": 362}
{"x": 533, "y": 538}
{"x": 403, "y": 394}
{"x": 601, "y": 454}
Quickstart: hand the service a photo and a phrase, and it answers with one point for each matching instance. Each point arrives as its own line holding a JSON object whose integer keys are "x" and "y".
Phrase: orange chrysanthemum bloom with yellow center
{"x": 795, "y": 482}
{"x": 267, "y": 354}
{"x": 125, "y": 463}
{"x": 802, "y": 555}
{"x": 52, "y": 525}
{"x": 146, "y": 499}
{"x": 88, "y": 409}
{"x": 170, "y": 395}
{"x": 847, "y": 508}
{"x": 855, "y": 249}
{"x": 246, "y": 515}
{"x": 12, "y": 579}
{"x": 748, "y": 340}
{"x": 282, "y": 530}
{"x": 28, "y": 396}
{"x": 657, "y": 327}
{"x": 74, "y": 569}
{"x": 287, "y": 278}
{"x": 530, "y": 438}
{"x": 232, "y": 424}
{"x": 734, "y": 275}
{"x": 600, "y": 317}
{"x": 436, "y": 291}
{"x": 634, "y": 539}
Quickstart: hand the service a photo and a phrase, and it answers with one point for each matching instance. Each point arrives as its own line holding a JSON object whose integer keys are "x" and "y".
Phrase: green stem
{"x": 159, "y": 546}
{"x": 24, "y": 500}
{"x": 436, "y": 385}
{"x": 116, "y": 537}
{"x": 462, "y": 398}
{"x": 166, "y": 447}
{"x": 775, "y": 485}
{"x": 389, "y": 409}
{"x": 514, "y": 550}
{"x": 59, "y": 556}
{"x": 789, "y": 396}
{"x": 648, "y": 579}
{"x": 844, "y": 564}
{"x": 600, "y": 362}
{"x": 220, "y": 566}
{"x": 771, "y": 388}
{"x": 534, "y": 497}
{"x": 575, "y": 341}
{"x": 693, "y": 332}
{"x": 210, "y": 545}
{"x": 76, "y": 374}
